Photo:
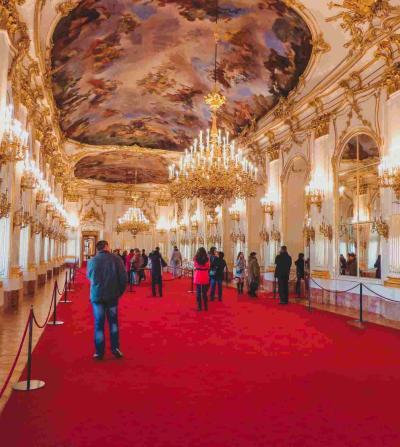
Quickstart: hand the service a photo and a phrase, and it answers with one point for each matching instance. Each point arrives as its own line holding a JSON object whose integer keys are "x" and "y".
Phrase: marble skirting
{"x": 41, "y": 279}
{"x": 11, "y": 299}
{"x": 350, "y": 300}
{"x": 29, "y": 287}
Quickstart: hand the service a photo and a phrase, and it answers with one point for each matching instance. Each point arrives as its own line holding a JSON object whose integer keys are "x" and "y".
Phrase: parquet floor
{"x": 12, "y": 324}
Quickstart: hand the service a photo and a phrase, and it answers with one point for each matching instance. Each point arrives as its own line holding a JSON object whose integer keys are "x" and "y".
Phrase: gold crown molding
{"x": 23, "y": 74}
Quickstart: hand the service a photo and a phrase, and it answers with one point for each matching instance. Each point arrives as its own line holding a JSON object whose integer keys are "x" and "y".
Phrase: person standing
{"x": 377, "y": 265}
{"x": 299, "y": 273}
{"x": 240, "y": 272}
{"x": 144, "y": 260}
{"x": 176, "y": 262}
{"x": 343, "y": 265}
{"x": 108, "y": 280}
{"x": 217, "y": 270}
{"x": 283, "y": 264}
{"x": 201, "y": 277}
{"x": 157, "y": 264}
{"x": 254, "y": 276}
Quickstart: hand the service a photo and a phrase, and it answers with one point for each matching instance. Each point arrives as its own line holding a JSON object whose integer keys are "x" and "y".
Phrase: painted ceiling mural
{"x": 129, "y": 72}
{"x": 123, "y": 167}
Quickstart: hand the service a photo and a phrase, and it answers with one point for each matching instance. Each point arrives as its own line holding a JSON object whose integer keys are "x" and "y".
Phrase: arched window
{"x": 359, "y": 208}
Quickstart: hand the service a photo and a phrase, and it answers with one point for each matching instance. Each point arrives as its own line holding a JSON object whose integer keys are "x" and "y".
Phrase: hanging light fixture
{"x": 213, "y": 169}
{"x": 133, "y": 221}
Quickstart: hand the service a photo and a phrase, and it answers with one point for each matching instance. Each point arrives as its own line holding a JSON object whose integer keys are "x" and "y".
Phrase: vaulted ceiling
{"x": 135, "y": 72}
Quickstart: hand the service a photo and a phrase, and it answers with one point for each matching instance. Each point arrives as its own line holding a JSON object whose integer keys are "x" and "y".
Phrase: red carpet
{"x": 245, "y": 374}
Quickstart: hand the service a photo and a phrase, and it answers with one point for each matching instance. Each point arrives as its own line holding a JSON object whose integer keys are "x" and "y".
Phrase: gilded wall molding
{"x": 365, "y": 20}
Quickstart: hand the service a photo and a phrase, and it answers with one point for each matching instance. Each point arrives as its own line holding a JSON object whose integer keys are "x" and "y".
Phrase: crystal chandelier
{"x": 15, "y": 139}
{"x": 213, "y": 169}
{"x": 134, "y": 221}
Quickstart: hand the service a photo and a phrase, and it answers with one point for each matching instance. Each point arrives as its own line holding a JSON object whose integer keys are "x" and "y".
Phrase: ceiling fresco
{"x": 121, "y": 167}
{"x": 135, "y": 72}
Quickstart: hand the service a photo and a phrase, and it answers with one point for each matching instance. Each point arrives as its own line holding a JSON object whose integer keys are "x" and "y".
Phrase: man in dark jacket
{"x": 108, "y": 280}
{"x": 282, "y": 271}
{"x": 299, "y": 273}
{"x": 157, "y": 263}
{"x": 217, "y": 270}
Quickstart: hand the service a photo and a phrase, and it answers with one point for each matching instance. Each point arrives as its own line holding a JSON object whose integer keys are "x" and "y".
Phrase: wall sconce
{"x": 15, "y": 139}
{"x": 275, "y": 234}
{"x": 381, "y": 227}
{"x": 21, "y": 218}
{"x": 267, "y": 206}
{"x": 264, "y": 235}
{"x": 389, "y": 175}
{"x": 5, "y": 205}
{"x": 235, "y": 210}
{"x": 326, "y": 230}
{"x": 308, "y": 231}
{"x": 315, "y": 197}
{"x": 194, "y": 223}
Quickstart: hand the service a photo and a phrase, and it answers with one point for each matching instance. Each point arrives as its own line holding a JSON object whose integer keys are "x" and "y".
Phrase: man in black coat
{"x": 282, "y": 271}
{"x": 299, "y": 273}
{"x": 157, "y": 264}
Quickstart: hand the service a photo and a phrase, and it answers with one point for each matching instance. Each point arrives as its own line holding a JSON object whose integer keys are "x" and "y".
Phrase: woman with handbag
{"x": 201, "y": 277}
{"x": 240, "y": 272}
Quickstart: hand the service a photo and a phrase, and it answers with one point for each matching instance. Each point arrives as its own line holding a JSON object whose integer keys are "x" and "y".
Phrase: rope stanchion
{"x": 55, "y": 322}
{"x": 71, "y": 280}
{"x": 191, "y": 281}
{"x": 8, "y": 378}
{"x": 334, "y": 291}
{"x": 29, "y": 384}
{"x": 360, "y": 322}
{"x": 65, "y": 291}
{"x": 381, "y": 296}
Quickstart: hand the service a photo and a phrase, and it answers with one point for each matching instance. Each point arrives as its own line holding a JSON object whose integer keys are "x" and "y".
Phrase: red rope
{"x": 49, "y": 313}
{"x": 17, "y": 356}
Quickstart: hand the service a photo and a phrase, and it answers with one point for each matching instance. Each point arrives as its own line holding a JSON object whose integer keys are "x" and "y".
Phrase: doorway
{"x": 89, "y": 241}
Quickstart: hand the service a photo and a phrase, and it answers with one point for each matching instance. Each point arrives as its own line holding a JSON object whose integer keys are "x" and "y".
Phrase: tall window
{"x": 23, "y": 247}
{"x": 38, "y": 246}
{"x": 46, "y": 249}
{"x": 359, "y": 208}
{"x": 5, "y": 246}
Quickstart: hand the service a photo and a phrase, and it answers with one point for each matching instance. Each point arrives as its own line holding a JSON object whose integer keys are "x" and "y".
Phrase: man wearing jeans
{"x": 108, "y": 280}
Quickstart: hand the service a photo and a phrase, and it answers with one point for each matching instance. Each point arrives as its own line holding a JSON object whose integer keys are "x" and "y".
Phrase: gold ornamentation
{"x": 381, "y": 227}
{"x": 326, "y": 230}
{"x": 320, "y": 125}
{"x": 275, "y": 234}
{"x": 273, "y": 152}
{"x": 308, "y": 232}
{"x": 65, "y": 7}
{"x": 5, "y": 205}
{"x": 363, "y": 19}
{"x": 320, "y": 45}
{"x": 264, "y": 235}
{"x": 313, "y": 197}
{"x": 92, "y": 215}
